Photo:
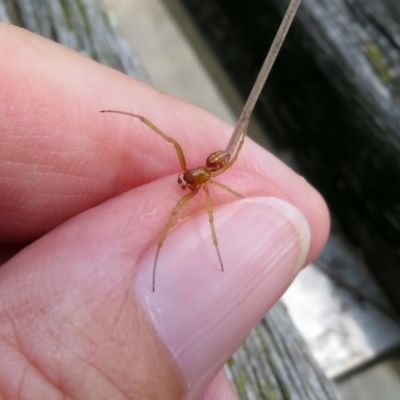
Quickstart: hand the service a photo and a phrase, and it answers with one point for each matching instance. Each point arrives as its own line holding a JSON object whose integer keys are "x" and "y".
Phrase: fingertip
{"x": 201, "y": 313}
{"x": 219, "y": 389}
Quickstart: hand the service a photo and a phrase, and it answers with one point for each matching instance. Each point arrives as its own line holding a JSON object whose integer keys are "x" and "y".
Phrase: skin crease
{"x": 70, "y": 177}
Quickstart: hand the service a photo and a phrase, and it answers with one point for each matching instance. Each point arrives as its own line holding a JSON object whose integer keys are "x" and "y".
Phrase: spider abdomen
{"x": 217, "y": 160}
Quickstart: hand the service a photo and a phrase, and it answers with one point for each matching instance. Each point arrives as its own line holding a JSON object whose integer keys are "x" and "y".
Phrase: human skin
{"x": 83, "y": 199}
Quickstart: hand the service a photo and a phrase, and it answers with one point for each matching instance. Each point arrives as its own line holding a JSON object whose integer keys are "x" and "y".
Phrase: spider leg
{"x": 227, "y": 188}
{"x": 167, "y": 227}
{"x": 211, "y": 221}
{"x": 178, "y": 148}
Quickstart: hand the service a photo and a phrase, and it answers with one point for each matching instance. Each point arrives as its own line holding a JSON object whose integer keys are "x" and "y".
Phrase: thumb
{"x": 202, "y": 314}
{"x": 79, "y": 318}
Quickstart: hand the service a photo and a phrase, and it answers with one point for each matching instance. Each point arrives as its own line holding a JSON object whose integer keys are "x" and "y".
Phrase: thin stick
{"x": 241, "y": 126}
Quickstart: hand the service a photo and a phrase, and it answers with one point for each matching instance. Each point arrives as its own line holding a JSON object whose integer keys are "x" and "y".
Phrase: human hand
{"x": 84, "y": 197}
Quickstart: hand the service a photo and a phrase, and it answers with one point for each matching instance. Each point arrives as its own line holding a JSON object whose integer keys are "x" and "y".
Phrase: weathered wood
{"x": 332, "y": 101}
{"x": 274, "y": 362}
{"x": 83, "y": 26}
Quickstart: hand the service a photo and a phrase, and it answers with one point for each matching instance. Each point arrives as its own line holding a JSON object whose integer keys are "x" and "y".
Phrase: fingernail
{"x": 203, "y": 314}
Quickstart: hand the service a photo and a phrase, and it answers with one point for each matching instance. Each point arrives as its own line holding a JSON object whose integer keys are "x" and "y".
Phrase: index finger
{"x": 59, "y": 156}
